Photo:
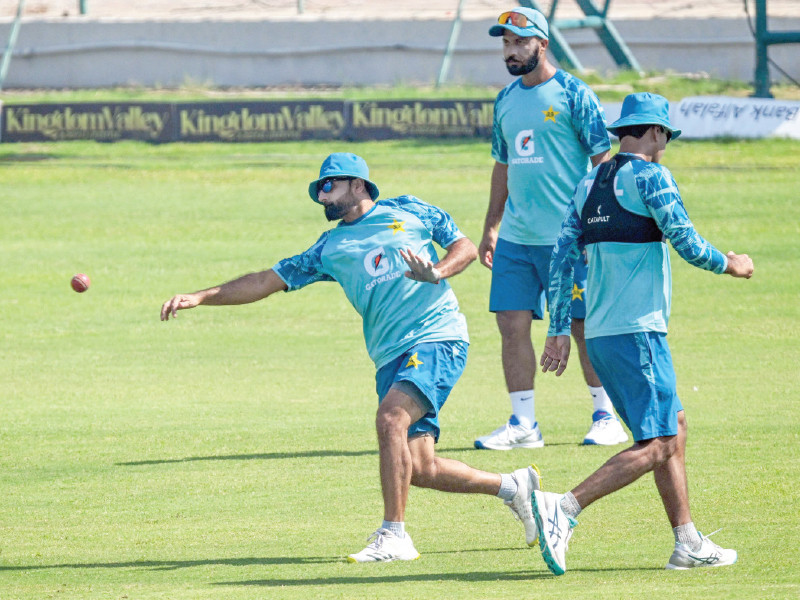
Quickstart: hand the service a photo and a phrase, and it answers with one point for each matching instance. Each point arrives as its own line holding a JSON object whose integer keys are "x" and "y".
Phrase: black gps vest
{"x": 604, "y": 220}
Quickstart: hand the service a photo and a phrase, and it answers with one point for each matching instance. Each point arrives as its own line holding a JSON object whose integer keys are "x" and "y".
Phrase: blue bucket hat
{"x": 644, "y": 108}
{"x": 536, "y": 24}
{"x": 343, "y": 164}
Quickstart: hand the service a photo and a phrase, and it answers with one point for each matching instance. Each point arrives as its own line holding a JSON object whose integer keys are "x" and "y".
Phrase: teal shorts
{"x": 427, "y": 372}
{"x": 521, "y": 278}
{"x": 636, "y": 371}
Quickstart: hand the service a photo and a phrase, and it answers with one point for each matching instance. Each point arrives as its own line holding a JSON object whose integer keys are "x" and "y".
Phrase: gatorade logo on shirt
{"x": 524, "y": 147}
{"x": 376, "y": 264}
{"x": 524, "y": 143}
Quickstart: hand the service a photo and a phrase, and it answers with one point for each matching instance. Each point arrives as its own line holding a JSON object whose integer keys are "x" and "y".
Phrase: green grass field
{"x": 231, "y": 453}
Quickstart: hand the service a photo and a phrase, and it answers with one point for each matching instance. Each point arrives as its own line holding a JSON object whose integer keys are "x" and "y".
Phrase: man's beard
{"x": 334, "y": 212}
{"x": 526, "y": 68}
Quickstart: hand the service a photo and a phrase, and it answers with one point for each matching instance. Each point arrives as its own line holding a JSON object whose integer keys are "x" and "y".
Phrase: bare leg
{"x": 404, "y": 461}
{"x": 519, "y": 358}
{"x": 447, "y": 475}
{"x": 672, "y": 482}
{"x": 624, "y": 468}
{"x": 395, "y": 415}
{"x": 589, "y": 375}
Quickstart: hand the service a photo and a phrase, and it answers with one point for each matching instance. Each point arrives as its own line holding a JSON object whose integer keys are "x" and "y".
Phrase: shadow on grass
{"x": 358, "y": 577}
{"x": 285, "y": 455}
{"x": 171, "y": 565}
{"x": 405, "y": 578}
{"x": 539, "y": 573}
{"x": 474, "y": 449}
{"x": 263, "y": 456}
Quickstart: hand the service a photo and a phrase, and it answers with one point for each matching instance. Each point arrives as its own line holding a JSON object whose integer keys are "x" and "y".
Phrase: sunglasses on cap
{"x": 326, "y": 185}
{"x": 516, "y": 19}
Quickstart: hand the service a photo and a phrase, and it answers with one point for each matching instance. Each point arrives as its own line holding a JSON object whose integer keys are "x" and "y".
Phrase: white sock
{"x": 601, "y": 400}
{"x": 508, "y": 487}
{"x": 687, "y": 534}
{"x": 523, "y": 407}
{"x": 569, "y": 504}
{"x": 396, "y": 527}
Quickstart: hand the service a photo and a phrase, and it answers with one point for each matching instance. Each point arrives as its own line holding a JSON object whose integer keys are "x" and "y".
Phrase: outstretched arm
{"x": 670, "y": 213}
{"x": 459, "y": 255}
{"x": 248, "y": 288}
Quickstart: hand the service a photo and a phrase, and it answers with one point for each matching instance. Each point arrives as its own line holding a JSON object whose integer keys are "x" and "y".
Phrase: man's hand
{"x": 555, "y": 354}
{"x": 739, "y": 265}
{"x": 421, "y": 269}
{"x": 179, "y": 302}
{"x": 486, "y": 249}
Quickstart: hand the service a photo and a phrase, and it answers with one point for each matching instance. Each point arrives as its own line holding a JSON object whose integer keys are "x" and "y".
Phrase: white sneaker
{"x": 709, "y": 555}
{"x": 385, "y": 546}
{"x": 511, "y": 435}
{"x": 555, "y": 529}
{"x": 606, "y": 430}
{"x": 528, "y": 479}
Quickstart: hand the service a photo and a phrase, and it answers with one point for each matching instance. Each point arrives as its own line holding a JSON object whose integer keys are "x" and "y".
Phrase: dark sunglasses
{"x": 667, "y": 131}
{"x": 326, "y": 185}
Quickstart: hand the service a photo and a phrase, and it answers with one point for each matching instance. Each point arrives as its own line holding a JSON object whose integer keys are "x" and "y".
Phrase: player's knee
{"x": 423, "y": 473}
{"x": 514, "y": 324}
{"x": 654, "y": 452}
{"x": 663, "y": 449}
{"x": 683, "y": 424}
{"x": 390, "y": 422}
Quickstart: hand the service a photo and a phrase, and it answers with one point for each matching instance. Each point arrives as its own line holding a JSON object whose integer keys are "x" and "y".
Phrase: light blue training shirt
{"x": 545, "y": 134}
{"x": 629, "y": 287}
{"x": 363, "y": 257}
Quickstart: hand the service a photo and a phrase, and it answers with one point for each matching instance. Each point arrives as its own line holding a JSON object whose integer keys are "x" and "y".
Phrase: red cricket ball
{"x": 80, "y": 283}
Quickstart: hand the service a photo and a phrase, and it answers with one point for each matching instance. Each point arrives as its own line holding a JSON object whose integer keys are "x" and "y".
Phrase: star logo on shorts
{"x": 577, "y": 293}
{"x": 550, "y": 114}
{"x": 414, "y": 361}
{"x": 396, "y": 226}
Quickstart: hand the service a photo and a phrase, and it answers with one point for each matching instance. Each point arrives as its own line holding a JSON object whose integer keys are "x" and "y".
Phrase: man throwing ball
{"x": 382, "y": 254}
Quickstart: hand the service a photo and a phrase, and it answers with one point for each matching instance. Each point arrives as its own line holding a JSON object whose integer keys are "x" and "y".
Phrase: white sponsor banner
{"x": 720, "y": 116}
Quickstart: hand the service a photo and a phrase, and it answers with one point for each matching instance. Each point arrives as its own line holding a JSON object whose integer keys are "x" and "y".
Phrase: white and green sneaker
{"x": 528, "y": 480}
{"x": 555, "y": 529}
{"x": 385, "y": 546}
{"x": 708, "y": 555}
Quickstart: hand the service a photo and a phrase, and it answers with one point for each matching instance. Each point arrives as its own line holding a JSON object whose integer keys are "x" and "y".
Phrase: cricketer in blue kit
{"x": 549, "y": 130}
{"x": 382, "y": 254}
{"x": 622, "y": 213}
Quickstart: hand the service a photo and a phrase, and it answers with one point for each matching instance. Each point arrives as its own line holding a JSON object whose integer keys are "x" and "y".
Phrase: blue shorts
{"x": 427, "y": 372}
{"x": 636, "y": 371}
{"x": 521, "y": 277}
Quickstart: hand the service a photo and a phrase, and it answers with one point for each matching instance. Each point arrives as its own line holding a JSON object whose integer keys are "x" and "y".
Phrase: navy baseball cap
{"x": 343, "y": 164}
{"x": 644, "y": 108}
{"x": 524, "y": 21}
